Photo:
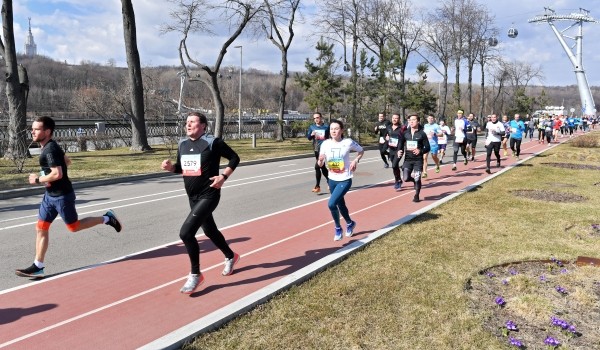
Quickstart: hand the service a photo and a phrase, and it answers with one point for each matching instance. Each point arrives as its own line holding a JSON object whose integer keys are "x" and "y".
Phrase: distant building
{"x": 30, "y": 46}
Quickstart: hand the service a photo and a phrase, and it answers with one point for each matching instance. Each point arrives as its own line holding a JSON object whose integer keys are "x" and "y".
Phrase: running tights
{"x": 515, "y": 146}
{"x": 407, "y": 169}
{"x": 201, "y": 216}
{"x": 395, "y": 160}
{"x": 319, "y": 170}
{"x": 463, "y": 150}
{"x": 336, "y": 204}
{"x": 495, "y": 147}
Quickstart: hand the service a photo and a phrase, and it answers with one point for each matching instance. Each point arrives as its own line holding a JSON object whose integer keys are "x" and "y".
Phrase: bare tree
{"x": 139, "y": 140}
{"x": 191, "y": 17}
{"x": 405, "y": 33}
{"x": 286, "y": 12}
{"x": 437, "y": 40}
{"x": 17, "y": 88}
{"x": 340, "y": 22}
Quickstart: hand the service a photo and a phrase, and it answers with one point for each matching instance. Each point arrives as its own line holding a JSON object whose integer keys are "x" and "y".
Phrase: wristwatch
{"x": 225, "y": 176}
{"x": 37, "y": 180}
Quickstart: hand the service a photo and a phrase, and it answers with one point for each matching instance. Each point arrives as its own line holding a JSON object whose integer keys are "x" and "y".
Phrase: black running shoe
{"x": 31, "y": 271}
{"x": 113, "y": 221}
{"x": 416, "y": 199}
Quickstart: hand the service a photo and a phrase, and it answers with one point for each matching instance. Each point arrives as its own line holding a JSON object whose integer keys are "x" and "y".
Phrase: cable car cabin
{"x": 513, "y": 32}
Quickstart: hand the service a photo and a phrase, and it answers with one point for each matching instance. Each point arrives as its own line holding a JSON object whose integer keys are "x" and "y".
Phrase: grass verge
{"x": 407, "y": 289}
{"x": 121, "y": 161}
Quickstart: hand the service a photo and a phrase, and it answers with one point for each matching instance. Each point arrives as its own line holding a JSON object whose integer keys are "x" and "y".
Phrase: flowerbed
{"x": 539, "y": 304}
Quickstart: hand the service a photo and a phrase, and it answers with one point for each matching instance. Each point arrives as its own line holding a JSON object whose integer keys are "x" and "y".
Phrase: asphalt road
{"x": 152, "y": 211}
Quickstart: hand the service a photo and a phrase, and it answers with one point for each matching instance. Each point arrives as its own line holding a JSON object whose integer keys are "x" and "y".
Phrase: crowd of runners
{"x": 407, "y": 147}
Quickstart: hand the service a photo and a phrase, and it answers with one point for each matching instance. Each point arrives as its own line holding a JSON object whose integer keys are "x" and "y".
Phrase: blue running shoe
{"x": 350, "y": 228}
{"x": 338, "y": 234}
{"x": 397, "y": 185}
{"x": 31, "y": 271}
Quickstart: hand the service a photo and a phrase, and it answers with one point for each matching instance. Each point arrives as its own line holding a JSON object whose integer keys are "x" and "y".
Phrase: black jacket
{"x": 422, "y": 143}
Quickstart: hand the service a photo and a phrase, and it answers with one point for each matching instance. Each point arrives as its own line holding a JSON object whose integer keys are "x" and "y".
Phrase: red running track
{"x": 132, "y": 302}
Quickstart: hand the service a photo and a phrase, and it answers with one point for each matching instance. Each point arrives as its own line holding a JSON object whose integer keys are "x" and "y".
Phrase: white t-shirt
{"x": 337, "y": 157}
{"x": 495, "y": 132}
{"x": 459, "y": 130}
{"x": 442, "y": 140}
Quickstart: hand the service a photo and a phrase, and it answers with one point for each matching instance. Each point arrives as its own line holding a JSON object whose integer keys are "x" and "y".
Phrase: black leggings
{"x": 495, "y": 147}
{"x": 201, "y": 216}
{"x": 383, "y": 151}
{"x": 463, "y": 150}
{"x": 395, "y": 160}
{"x": 515, "y": 143}
{"x": 319, "y": 170}
{"x": 407, "y": 169}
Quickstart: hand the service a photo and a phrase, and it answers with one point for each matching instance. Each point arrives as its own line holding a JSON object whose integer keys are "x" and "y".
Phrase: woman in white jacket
{"x": 493, "y": 140}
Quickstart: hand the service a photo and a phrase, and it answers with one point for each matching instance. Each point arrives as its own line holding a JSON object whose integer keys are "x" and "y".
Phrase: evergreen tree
{"x": 320, "y": 83}
{"x": 418, "y": 97}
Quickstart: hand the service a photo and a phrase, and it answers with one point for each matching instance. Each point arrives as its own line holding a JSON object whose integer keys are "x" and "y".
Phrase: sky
{"x": 82, "y": 30}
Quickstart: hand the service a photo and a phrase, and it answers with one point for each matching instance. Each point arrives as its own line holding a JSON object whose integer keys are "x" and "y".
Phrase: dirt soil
{"x": 549, "y": 196}
{"x": 534, "y": 292}
{"x": 573, "y": 166}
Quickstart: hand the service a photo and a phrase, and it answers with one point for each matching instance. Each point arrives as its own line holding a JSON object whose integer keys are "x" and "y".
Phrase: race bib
{"x": 513, "y": 130}
{"x": 393, "y": 142}
{"x": 336, "y": 165}
{"x": 381, "y": 139}
{"x": 320, "y": 134}
{"x": 459, "y": 139}
{"x": 190, "y": 165}
{"x": 411, "y": 145}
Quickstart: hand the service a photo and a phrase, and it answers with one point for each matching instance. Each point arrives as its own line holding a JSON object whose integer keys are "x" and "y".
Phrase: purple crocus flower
{"x": 551, "y": 341}
{"x": 572, "y": 329}
{"x": 515, "y": 342}
{"x": 500, "y": 301}
{"x": 564, "y": 271}
{"x": 513, "y": 272}
{"x": 561, "y": 290}
{"x": 490, "y": 274}
{"x": 543, "y": 278}
{"x": 511, "y": 326}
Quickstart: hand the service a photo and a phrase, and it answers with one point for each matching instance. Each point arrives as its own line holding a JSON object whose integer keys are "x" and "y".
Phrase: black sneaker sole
{"x": 24, "y": 274}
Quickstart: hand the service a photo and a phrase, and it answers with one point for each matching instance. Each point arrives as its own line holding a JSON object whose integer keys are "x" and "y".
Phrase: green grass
{"x": 407, "y": 289}
{"x": 121, "y": 161}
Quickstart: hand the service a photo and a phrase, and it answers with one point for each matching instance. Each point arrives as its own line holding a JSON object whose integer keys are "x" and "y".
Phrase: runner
{"x": 198, "y": 159}
{"x": 556, "y": 125}
{"x": 541, "y": 128}
{"x": 571, "y": 125}
{"x": 316, "y": 133}
{"x": 394, "y": 138}
{"x": 493, "y": 140}
{"x": 335, "y": 152}
{"x": 460, "y": 125}
{"x": 415, "y": 146}
{"x": 433, "y": 131}
{"x": 471, "y": 132}
{"x": 506, "y": 124}
{"x": 516, "y": 135}
{"x": 59, "y": 197}
{"x": 530, "y": 127}
{"x": 443, "y": 140}
{"x": 381, "y": 131}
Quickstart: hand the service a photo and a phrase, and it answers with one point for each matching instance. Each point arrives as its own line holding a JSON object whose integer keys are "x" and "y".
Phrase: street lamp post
{"x": 181, "y": 75}
{"x": 240, "y": 96}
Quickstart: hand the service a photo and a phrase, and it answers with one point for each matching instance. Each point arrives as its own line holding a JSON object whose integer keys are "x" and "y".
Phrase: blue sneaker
{"x": 338, "y": 234}
{"x": 398, "y": 185}
{"x": 350, "y": 228}
{"x": 31, "y": 271}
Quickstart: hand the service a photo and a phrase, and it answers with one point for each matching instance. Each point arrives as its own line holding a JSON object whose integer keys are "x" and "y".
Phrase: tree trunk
{"x": 139, "y": 139}
{"x": 481, "y": 108}
{"x": 282, "y": 93}
{"x": 213, "y": 86}
{"x": 16, "y": 92}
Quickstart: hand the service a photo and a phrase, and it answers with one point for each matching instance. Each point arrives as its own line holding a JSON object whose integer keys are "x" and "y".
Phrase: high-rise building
{"x": 30, "y": 46}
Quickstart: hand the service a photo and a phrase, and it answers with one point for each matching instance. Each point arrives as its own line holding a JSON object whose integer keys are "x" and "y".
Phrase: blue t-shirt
{"x": 435, "y": 128}
{"x": 516, "y": 129}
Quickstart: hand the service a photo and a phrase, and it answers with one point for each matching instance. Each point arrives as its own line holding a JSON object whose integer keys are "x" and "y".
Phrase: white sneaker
{"x": 229, "y": 263}
{"x": 193, "y": 282}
